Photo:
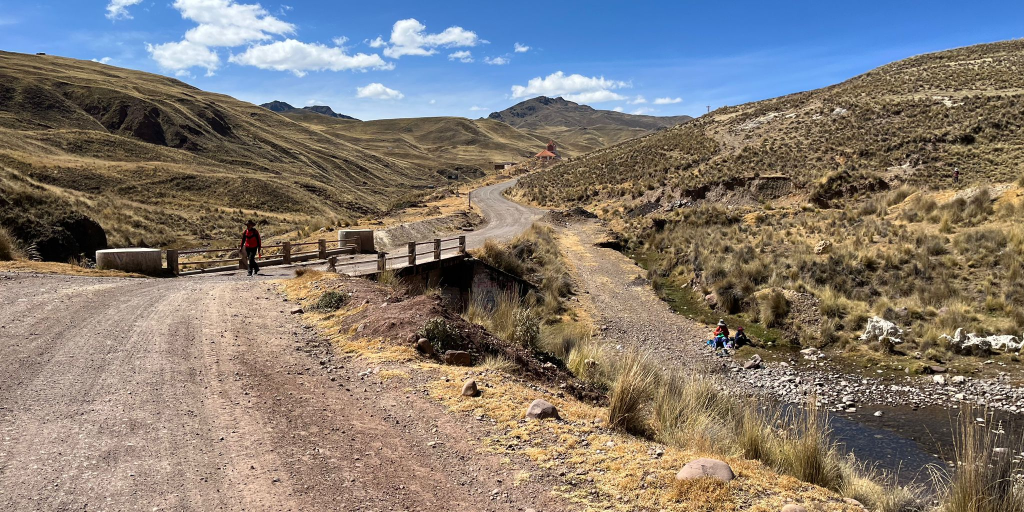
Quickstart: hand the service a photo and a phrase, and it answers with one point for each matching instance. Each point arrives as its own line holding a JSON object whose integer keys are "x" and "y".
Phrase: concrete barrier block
{"x": 132, "y": 259}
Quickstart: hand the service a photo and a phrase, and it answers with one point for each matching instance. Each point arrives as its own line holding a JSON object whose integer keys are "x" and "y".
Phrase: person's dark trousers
{"x": 253, "y": 266}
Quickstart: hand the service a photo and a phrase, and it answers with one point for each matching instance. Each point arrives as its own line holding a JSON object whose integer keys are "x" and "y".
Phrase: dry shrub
{"x": 630, "y": 397}
{"x": 880, "y": 491}
{"x": 9, "y": 249}
{"x": 561, "y": 338}
{"x": 587, "y": 361}
{"x": 499, "y": 362}
{"x": 773, "y": 308}
{"x": 690, "y": 410}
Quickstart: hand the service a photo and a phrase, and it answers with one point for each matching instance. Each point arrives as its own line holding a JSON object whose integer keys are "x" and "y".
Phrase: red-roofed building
{"x": 548, "y": 154}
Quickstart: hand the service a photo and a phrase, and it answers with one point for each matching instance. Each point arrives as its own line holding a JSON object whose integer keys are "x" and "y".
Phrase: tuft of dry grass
{"x": 987, "y": 476}
{"x": 631, "y": 394}
{"x": 9, "y": 249}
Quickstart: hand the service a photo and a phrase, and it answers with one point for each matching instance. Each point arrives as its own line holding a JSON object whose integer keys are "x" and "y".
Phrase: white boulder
{"x": 978, "y": 345}
{"x": 882, "y": 330}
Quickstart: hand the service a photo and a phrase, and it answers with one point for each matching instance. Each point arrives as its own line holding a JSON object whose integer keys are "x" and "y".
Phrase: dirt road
{"x": 204, "y": 393}
{"x": 503, "y": 219}
{"x": 622, "y": 302}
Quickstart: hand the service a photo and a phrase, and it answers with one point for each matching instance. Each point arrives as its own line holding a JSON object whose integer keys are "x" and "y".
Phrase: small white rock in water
{"x": 878, "y": 413}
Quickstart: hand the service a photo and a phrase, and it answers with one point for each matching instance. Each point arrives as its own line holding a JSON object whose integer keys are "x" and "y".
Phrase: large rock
{"x": 701, "y": 468}
{"x": 470, "y": 388}
{"x": 423, "y": 345}
{"x": 823, "y": 247}
{"x": 793, "y": 508}
{"x": 458, "y": 358}
{"x": 973, "y": 344}
{"x": 542, "y": 410}
{"x": 882, "y": 331}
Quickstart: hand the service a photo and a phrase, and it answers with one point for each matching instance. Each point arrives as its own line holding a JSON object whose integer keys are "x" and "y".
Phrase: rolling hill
{"x": 570, "y": 123}
{"x": 803, "y": 216}
{"x": 155, "y": 161}
{"x": 92, "y": 154}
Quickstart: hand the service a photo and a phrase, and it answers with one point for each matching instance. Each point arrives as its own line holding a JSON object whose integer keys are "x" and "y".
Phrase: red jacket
{"x": 251, "y": 239}
{"x": 723, "y": 330}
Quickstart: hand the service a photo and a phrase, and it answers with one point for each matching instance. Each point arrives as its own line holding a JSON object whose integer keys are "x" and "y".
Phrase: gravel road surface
{"x": 204, "y": 393}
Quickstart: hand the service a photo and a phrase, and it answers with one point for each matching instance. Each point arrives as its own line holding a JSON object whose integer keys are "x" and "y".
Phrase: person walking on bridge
{"x": 252, "y": 245}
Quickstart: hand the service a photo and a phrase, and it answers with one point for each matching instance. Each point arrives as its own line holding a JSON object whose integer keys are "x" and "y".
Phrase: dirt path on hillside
{"x": 205, "y": 394}
{"x": 623, "y": 305}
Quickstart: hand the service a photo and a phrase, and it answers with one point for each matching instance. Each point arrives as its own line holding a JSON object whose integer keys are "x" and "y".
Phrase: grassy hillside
{"x": 569, "y": 123}
{"x": 911, "y": 121}
{"x": 440, "y": 143}
{"x": 807, "y": 214}
{"x": 155, "y": 161}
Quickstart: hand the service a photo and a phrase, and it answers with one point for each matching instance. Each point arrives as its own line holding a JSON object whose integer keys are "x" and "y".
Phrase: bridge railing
{"x": 284, "y": 253}
{"x": 185, "y": 263}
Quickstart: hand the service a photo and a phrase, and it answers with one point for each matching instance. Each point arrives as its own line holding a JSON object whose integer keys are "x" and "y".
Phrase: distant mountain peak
{"x": 543, "y": 113}
{"x": 277, "y": 106}
{"x": 283, "y": 108}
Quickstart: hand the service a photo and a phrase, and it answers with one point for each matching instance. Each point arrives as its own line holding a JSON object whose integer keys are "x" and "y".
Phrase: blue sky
{"x": 411, "y": 59}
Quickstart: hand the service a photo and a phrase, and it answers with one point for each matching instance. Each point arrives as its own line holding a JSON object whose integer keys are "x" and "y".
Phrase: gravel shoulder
{"x": 203, "y": 394}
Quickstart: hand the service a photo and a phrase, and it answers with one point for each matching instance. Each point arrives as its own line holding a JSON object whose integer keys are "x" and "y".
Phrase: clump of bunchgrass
{"x": 330, "y": 301}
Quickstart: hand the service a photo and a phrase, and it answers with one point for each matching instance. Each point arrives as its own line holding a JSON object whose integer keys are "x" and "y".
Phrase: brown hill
{"x": 155, "y": 161}
{"x": 571, "y": 123}
{"x": 441, "y": 143}
{"x": 914, "y": 120}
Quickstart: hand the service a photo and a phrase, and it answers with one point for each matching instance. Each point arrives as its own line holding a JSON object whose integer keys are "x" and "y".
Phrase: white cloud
{"x": 409, "y": 37}
{"x": 299, "y": 57}
{"x": 462, "y": 56}
{"x": 642, "y": 111}
{"x": 227, "y": 23}
{"x": 475, "y": 108}
{"x": 183, "y": 55}
{"x": 220, "y": 23}
{"x": 377, "y": 91}
{"x": 594, "y": 97}
{"x": 375, "y": 43}
{"x": 104, "y": 60}
{"x": 496, "y": 61}
{"x": 118, "y": 9}
{"x": 521, "y": 48}
{"x": 432, "y": 102}
{"x": 667, "y": 101}
{"x": 638, "y": 100}
{"x": 618, "y": 109}
{"x": 573, "y": 87}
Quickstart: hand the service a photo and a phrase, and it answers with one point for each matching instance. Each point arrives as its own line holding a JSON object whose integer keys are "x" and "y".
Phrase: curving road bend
{"x": 204, "y": 393}
{"x": 503, "y": 219}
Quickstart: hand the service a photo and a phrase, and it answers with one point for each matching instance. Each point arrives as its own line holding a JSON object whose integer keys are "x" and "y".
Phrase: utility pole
{"x": 709, "y": 109}
{"x": 469, "y": 196}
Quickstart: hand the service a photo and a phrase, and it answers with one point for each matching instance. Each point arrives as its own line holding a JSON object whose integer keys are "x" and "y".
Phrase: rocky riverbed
{"x": 813, "y": 374}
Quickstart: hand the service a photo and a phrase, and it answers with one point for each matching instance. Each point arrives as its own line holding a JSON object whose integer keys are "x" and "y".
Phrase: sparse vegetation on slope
{"x": 913, "y": 121}
{"x": 805, "y": 215}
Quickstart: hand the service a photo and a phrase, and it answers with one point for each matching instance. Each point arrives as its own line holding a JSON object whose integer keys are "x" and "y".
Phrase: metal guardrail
{"x": 287, "y": 252}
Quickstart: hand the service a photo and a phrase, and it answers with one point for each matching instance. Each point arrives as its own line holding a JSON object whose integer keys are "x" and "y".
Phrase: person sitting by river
{"x": 741, "y": 338}
{"x": 722, "y": 329}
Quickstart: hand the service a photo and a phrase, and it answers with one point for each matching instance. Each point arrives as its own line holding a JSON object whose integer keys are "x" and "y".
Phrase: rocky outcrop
{"x": 882, "y": 331}
{"x": 974, "y": 344}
